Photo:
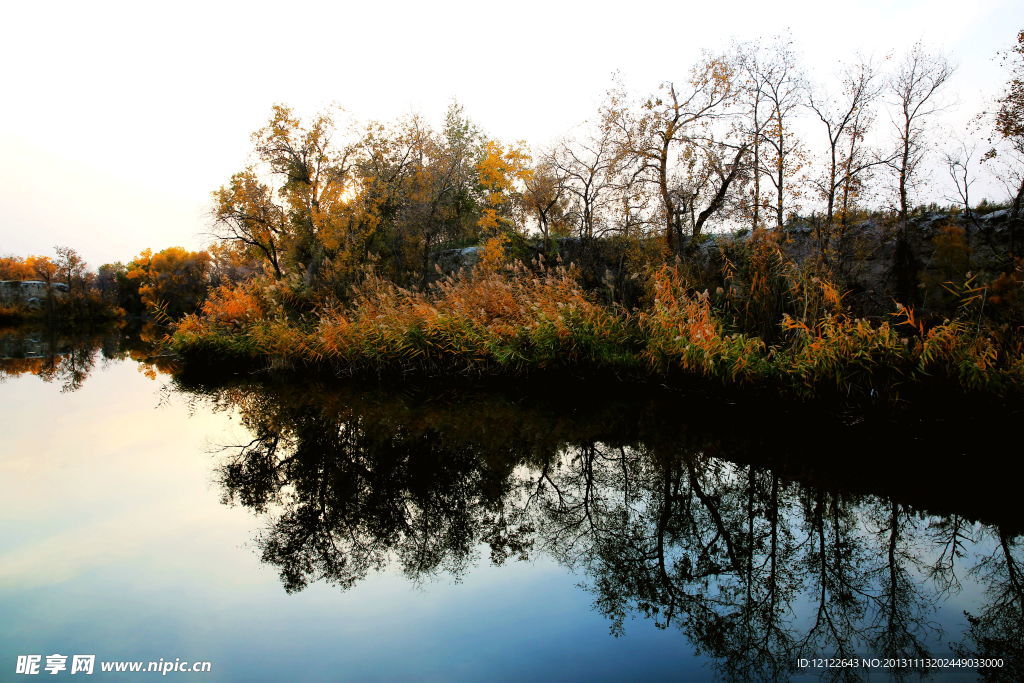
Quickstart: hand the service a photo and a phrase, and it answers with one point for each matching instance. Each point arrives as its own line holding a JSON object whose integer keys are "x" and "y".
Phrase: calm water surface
{"x": 290, "y": 530}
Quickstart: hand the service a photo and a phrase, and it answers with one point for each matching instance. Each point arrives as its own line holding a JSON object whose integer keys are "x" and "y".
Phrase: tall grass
{"x": 515, "y": 320}
{"x": 491, "y": 319}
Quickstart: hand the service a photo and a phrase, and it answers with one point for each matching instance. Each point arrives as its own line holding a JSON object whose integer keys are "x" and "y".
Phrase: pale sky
{"x": 119, "y": 119}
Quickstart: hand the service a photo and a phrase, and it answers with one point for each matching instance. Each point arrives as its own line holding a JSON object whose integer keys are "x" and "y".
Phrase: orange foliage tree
{"x": 501, "y": 173}
{"x": 174, "y": 280}
{"x": 16, "y": 268}
{"x": 44, "y": 268}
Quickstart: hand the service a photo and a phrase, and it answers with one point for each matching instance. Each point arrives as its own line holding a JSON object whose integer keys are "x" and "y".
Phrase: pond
{"x": 290, "y": 528}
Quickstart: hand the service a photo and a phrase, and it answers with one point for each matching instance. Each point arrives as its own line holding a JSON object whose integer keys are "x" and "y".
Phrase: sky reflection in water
{"x": 382, "y": 514}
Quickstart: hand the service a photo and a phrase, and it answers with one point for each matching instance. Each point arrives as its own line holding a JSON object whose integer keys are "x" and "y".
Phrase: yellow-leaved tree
{"x": 292, "y": 208}
{"x": 502, "y": 173}
{"x": 172, "y": 281}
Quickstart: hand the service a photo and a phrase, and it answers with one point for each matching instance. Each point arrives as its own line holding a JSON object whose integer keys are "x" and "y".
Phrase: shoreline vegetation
{"x": 740, "y": 227}
{"x": 517, "y": 321}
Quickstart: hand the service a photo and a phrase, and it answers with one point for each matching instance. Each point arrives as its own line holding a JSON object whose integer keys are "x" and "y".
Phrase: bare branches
{"x": 847, "y": 118}
{"x": 914, "y": 89}
{"x": 772, "y": 87}
{"x": 672, "y": 144}
{"x": 959, "y": 165}
{"x": 586, "y": 171}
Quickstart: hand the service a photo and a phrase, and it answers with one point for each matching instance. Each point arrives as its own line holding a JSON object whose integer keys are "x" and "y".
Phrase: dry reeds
{"x": 515, "y": 320}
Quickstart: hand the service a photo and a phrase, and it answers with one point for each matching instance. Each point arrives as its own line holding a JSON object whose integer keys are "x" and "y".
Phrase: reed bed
{"x": 516, "y": 321}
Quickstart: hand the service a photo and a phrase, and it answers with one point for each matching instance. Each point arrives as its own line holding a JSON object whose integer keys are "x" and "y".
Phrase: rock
{"x": 30, "y": 293}
{"x": 453, "y": 260}
{"x": 999, "y": 215}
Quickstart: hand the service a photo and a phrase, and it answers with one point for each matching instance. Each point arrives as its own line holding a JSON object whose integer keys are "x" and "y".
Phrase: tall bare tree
{"x": 780, "y": 86}
{"x": 586, "y": 168}
{"x": 752, "y": 83}
{"x": 914, "y": 89}
{"x": 846, "y": 117}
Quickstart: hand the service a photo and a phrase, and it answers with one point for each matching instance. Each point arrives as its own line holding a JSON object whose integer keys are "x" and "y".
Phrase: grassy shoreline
{"x": 491, "y": 323}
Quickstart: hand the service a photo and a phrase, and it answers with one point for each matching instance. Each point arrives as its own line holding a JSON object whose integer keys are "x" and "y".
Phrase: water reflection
{"x": 68, "y": 357}
{"x": 681, "y": 521}
{"x": 761, "y": 533}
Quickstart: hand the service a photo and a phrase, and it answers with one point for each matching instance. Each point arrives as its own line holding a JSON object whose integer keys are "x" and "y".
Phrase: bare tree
{"x": 959, "y": 165}
{"x": 780, "y": 87}
{"x": 846, "y": 118}
{"x": 914, "y": 88}
{"x": 586, "y": 167}
{"x": 753, "y": 100}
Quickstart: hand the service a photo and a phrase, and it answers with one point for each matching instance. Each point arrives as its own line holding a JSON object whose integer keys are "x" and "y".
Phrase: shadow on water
{"x": 762, "y": 531}
{"x": 764, "y": 535}
{"x": 68, "y": 357}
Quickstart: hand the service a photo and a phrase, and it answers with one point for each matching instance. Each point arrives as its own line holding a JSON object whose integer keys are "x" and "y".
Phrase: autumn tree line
{"x": 713, "y": 225}
{"x": 726, "y": 148}
{"x": 159, "y": 286}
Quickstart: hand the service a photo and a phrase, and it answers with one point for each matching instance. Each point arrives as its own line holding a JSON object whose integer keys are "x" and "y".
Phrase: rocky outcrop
{"x": 29, "y": 293}
{"x": 866, "y": 258}
{"x": 937, "y": 248}
{"x": 453, "y": 260}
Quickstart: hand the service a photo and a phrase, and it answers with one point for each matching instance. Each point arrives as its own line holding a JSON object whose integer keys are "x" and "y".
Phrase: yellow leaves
{"x": 233, "y": 306}
{"x": 16, "y": 268}
{"x": 501, "y": 171}
{"x": 499, "y": 168}
{"x": 42, "y": 267}
{"x": 492, "y": 255}
{"x": 172, "y": 280}
{"x": 682, "y": 325}
{"x": 909, "y": 319}
{"x": 720, "y": 74}
{"x": 831, "y": 295}
{"x": 282, "y": 120}
{"x": 488, "y": 220}
{"x": 789, "y": 323}
{"x": 139, "y": 268}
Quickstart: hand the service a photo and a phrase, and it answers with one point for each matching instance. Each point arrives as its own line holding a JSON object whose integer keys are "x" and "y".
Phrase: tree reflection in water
{"x": 744, "y": 541}
{"x": 68, "y": 357}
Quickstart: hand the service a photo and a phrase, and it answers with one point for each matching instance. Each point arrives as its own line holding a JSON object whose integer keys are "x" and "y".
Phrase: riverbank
{"x": 514, "y": 323}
